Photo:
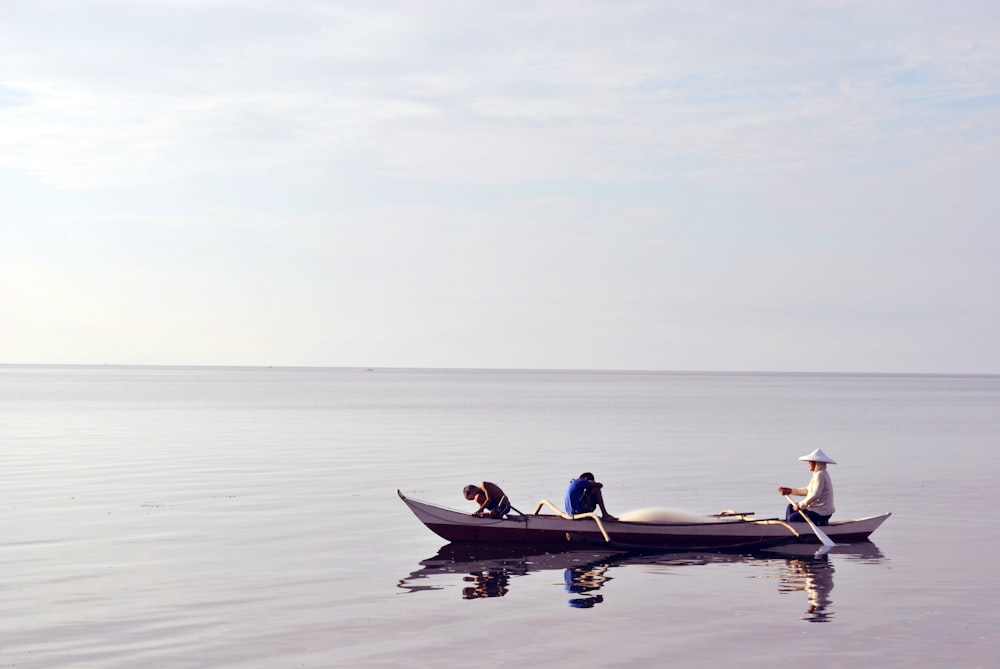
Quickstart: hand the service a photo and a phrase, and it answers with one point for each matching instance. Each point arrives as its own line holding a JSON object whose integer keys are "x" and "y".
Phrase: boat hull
{"x": 712, "y": 534}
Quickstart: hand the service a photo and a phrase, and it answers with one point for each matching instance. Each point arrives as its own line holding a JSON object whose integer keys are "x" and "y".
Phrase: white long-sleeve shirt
{"x": 819, "y": 494}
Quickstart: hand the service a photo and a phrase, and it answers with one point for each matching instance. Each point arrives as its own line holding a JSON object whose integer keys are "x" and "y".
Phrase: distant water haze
{"x": 247, "y": 517}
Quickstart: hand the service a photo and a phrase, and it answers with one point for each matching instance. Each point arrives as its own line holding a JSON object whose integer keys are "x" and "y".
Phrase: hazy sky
{"x": 785, "y": 185}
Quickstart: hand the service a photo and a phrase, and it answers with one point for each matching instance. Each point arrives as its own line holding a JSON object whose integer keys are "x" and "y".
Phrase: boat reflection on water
{"x": 488, "y": 570}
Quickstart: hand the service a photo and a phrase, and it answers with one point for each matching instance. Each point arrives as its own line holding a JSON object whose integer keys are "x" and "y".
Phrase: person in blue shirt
{"x": 583, "y": 495}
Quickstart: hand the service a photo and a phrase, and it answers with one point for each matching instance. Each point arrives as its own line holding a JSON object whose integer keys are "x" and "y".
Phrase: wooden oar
{"x": 820, "y": 534}
{"x": 562, "y": 514}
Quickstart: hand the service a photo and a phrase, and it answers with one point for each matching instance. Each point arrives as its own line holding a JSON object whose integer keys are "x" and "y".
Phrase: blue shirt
{"x": 574, "y": 496}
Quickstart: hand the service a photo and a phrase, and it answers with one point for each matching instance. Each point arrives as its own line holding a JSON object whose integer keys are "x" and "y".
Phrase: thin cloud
{"x": 644, "y": 184}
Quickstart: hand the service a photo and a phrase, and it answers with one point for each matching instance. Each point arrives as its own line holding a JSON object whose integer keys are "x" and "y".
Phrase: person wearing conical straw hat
{"x": 818, "y": 502}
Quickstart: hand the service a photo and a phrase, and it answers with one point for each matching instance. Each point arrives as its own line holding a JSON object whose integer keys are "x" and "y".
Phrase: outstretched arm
{"x": 483, "y": 498}
{"x": 490, "y": 492}
{"x": 599, "y": 498}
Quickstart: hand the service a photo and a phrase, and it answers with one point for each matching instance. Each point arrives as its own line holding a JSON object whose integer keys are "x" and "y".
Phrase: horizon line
{"x": 563, "y": 370}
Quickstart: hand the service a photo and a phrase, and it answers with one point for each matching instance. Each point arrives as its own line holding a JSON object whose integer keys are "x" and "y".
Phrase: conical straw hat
{"x": 818, "y": 456}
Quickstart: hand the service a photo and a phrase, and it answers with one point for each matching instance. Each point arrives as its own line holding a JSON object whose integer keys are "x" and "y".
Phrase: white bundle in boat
{"x": 660, "y": 515}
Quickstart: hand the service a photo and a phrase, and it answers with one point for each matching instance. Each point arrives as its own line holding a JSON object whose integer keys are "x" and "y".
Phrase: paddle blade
{"x": 820, "y": 534}
{"x": 823, "y": 537}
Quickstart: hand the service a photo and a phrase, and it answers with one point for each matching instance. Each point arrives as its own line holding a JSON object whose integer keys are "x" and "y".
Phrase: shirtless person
{"x": 493, "y": 503}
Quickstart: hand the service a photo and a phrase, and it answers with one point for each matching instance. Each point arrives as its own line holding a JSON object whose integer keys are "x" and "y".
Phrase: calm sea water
{"x": 248, "y": 517}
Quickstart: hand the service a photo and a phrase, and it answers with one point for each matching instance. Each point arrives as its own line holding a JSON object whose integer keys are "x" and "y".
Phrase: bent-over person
{"x": 583, "y": 495}
{"x": 493, "y": 502}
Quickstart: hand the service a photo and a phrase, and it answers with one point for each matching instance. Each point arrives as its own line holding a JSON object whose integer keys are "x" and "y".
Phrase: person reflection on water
{"x": 814, "y": 576}
{"x": 586, "y": 581}
{"x": 818, "y": 502}
{"x": 493, "y": 503}
{"x": 583, "y": 495}
{"x": 489, "y": 583}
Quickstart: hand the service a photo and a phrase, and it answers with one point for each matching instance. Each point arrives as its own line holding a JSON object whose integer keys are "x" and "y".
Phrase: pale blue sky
{"x": 779, "y": 186}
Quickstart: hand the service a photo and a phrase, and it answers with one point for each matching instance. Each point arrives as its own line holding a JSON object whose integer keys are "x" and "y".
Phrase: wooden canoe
{"x": 725, "y": 533}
